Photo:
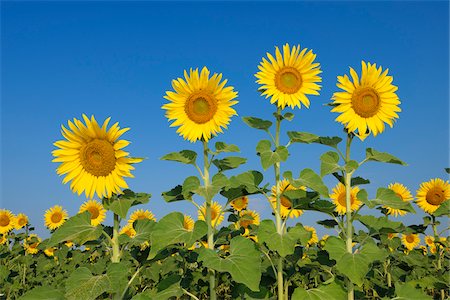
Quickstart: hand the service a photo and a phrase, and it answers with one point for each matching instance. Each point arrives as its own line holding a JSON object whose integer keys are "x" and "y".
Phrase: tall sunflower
{"x": 21, "y": 221}
{"x": 141, "y": 214}
{"x": 404, "y": 194}
{"x": 432, "y": 194}
{"x": 338, "y": 197}
{"x": 200, "y": 105}
{"x": 286, "y": 204}
{"x": 239, "y": 203}
{"x": 7, "y": 221}
{"x": 368, "y": 102}
{"x": 55, "y": 216}
{"x": 216, "y": 213}
{"x": 93, "y": 158}
{"x": 31, "y": 243}
{"x": 96, "y": 209}
{"x": 410, "y": 241}
{"x": 314, "y": 238}
{"x": 288, "y": 78}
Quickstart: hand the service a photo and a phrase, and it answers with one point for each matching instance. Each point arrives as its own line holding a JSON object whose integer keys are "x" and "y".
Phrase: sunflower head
{"x": 21, "y": 221}
{"x": 432, "y": 194}
{"x": 141, "y": 214}
{"x": 128, "y": 230}
{"x": 403, "y": 193}
{"x": 287, "y": 78}
{"x": 248, "y": 217}
{"x": 69, "y": 244}
{"x": 3, "y": 239}
{"x": 366, "y": 103}
{"x": 338, "y": 197}
{"x": 286, "y": 204}
{"x": 55, "y": 216}
{"x": 429, "y": 240}
{"x": 92, "y": 157}
{"x": 410, "y": 241}
{"x": 200, "y": 105}
{"x": 217, "y": 214}
{"x": 96, "y": 210}
{"x": 50, "y": 251}
{"x": 314, "y": 239}
{"x": 188, "y": 223}
{"x": 239, "y": 203}
{"x": 31, "y": 243}
{"x": 7, "y": 221}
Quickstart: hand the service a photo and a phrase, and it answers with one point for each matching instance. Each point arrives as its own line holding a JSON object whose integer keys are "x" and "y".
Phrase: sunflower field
{"x": 228, "y": 251}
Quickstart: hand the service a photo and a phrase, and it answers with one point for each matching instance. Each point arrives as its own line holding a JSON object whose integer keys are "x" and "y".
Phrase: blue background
{"x": 62, "y": 59}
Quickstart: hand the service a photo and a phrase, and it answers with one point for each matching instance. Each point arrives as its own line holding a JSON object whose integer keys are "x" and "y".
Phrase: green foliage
{"x": 374, "y": 155}
{"x": 332, "y": 291}
{"x": 43, "y": 292}
{"x": 309, "y": 179}
{"x": 257, "y": 123}
{"x": 183, "y": 156}
{"x": 409, "y": 292}
{"x": 121, "y": 204}
{"x": 82, "y": 285}
{"x": 222, "y": 147}
{"x": 443, "y": 210}
{"x": 270, "y": 157}
{"x": 329, "y": 163}
{"x": 389, "y": 198}
{"x": 229, "y": 163}
{"x": 309, "y": 138}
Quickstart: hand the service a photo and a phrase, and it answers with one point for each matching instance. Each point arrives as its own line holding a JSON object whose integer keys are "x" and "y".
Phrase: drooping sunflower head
{"x": 410, "y": 241}
{"x": 7, "y": 221}
{"x": 366, "y": 103}
{"x": 338, "y": 197}
{"x": 429, "y": 240}
{"x": 432, "y": 194}
{"x": 188, "y": 223}
{"x": 287, "y": 78}
{"x": 286, "y": 204}
{"x": 314, "y": 238}
{"x": 248, "y": 217}
{"x": 200, "y": 105}
{"x": 50, "y": 251}
{"x": 92, "y": 157}
{"x": 55, "y": 216}
{"x": 239, "y": 203}
{"x": 401, "y": 191}
{"x": 141, "y": 214}
{"x": 217, "y": 214}
{"x": 21, "y": 221}
{"x": 128, "y": 230}
{"x": 96, "y": 209}
{"x": 31, "y": 243}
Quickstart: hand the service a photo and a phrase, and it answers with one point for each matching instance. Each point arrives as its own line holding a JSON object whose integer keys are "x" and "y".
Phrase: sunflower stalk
{"x": 115, "y": 241}
{"x": 348, "y": 212}
{"x": 438, "y": 252}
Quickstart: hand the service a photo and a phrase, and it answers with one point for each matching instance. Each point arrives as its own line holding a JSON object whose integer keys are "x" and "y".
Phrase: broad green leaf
{"x": 308, "y": 138}
{"x": 332, "y": 291}
{"x": 229, "y": 163}
{"x": 443, "y": 210}
{"x": 257, "y": 123}
{"x": 243, "y": 263}
{"x": 269, "y": 157}
{"x": 355, "y": 180}
{"x": 122, "y": 203}
{"x": 375, "y": 224}
{"x": 329, "y": 163}
{"x": 328, "y": 223}
{"x": 374, "y": 155}
{"x": 409, "y": 292}
{"x": 351, "y": 166}
{"x": 324, "y": 206}
{"x": 4, "y": 273}
{"x": 190, "y": 185}
{"x": 184, "y": 156}
{"x": 335, "y": 247}
{"x": 219, "y": 181}
{"x": 243, "y": 184}
{"x": 175, "y": 194}
{"x": 82, "y": 285}
{"x": 309, "y": 179}
{"x": 117, "y": 274}
{"x": 222, "y": 147}
{"x": 43, "y": 292}
{"x": 285, "y": 243}
{"x": 354, "y": 266}
{"x": 144, "y": 230}
{"x": 389, "y": 198}
{"x": 77, "y": 229}
{"x": 364, "y": 197}
{"x": 288, "y": 116}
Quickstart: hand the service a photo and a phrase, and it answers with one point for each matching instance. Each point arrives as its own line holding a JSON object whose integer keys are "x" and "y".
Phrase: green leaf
{"x": 332, "y": 291}
{"x": 190, "y": 186}
{"x": 243, "y": 263}
{"x": 285, "y": 243}
{"x": 43, "y": 292}
{"x": 184, "y": 156}
{"x": 409, "y": 292}
{"x": 308, "y": 138}
{"x": 355, "y": 180}
{"x": 389, "y": 198}
{"x": 351, "y": 166}
{"x": 243, "y": 184}
{"x": 329, "y": 163}
{"x": 228, "y": 163}
{"x": 309, "y": 179}
{"x": 82, "y": 285}
{"x": 117, "y": 274}
{"x": 77, "y": 229}
{"x": 257, "y": 123}
{"x": 374, "y": 155}
{"x": 447, "y": 170}
{"x": 269, "y": 157}
{"x": 288, "y": 116}
{"x": 144, "y": 230}
{"x": 175, "y": 194}
{"x": 122, "y": 203}
{"x": 375, "y": 224}
{"x": 222, "y": 147}
{"x": 328, "y": 223}
{"x": 443, "y": 210}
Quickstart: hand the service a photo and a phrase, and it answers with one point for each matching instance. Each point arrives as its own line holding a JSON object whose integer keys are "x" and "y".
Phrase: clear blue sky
{"x": 62, "y": 59}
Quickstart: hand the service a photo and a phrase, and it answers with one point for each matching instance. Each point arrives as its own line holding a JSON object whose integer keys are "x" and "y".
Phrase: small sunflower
{"x": 188, "y": 223}
{"x": 404, "y": 194}
{"x": 200, "y": 105}
{"x": 429, "y": 240}
{"x": 432, "y": 194}
{"x": 93, "y": 158}
{"x": 288, "y": 78}
{"x": 338, "y": 197}
{"x": 31, "y": 243}
{"x": 141, "y": 214}
{"x": 54, "y": 217}
{"x": 424, "y": 249}
{"x": 96, "y": 209}
{"x": 239, "y": 203}
{"x": 248, "y": 217}
{"x": 128, "y": 230}
{"x": 314, "y": 239}
{"x": 217, "y": 215}
{"x": 7, "y": 221}
{"x": 50, "y": 251}
{"x": 286, "y": 204}
{"x": 21, "y": 221}
{"x": 410, "y": 241}
{"x": 368, "y": 102}
{"x": 69, "y": 244}
{"x": 3, "y": 239}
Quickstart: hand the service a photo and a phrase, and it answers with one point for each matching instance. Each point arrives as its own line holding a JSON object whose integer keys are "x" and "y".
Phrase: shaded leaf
{"x": 309, "y": 179}
{"x": 329, "y": 163}
{"x": 82, "y": 285}
{"x": 332, "y": 291}
{"x": 228, "y": 163}
{"x": 374, "y": 155}
{"x": 222, "y": 147}
{"x": 43, "y": 292}
{"x": 183, "y": 156}
{"x": 257, "y": 123}
{"x": 308, "y": 138}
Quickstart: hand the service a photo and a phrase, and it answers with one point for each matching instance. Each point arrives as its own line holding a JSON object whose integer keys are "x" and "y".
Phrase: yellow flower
{"x": 253, "y": 238}
{"x": 50, "y": 251}
{"x": 69, "y": 244}
{"x": 392, "y": 235}
{"x": 410, "y": 241}
{"x": 200, "y": 105}
{"x": 338, "y": 197}
{"x": 7, "y": 221}
{"x": 286, "y": 204}
{"x": 368, "y": 102}
{"x": 55, "y": 216}
{"x": 31, "y": 243}
{"x": 429, "y": 240}
{"x": 141, "y": 214}
{"x": 424, "y": 249}
{"x": 248, "y": 217}
{"x": 3, "y": 239}
{"x": 21, "y": 221}
{"x": 432, "y": 194}
{"x": 217, "y": 215}
{"x": 96, "y": 209}
{"x": 128, "y": 230}
{"x": 188, "y": 223}
{"x": 239, "y": 203}
{"x": 144, "y": 246}
{"x": 225, "y": 248}
{"x": 288, "y": 78}
{"x": 314, "y": 239}
{"x": 404, "y": 194}
{"x": 93, "y": 158}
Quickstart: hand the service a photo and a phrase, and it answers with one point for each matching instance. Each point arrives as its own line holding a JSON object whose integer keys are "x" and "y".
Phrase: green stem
{"x": 438, "y": 251}
{"x": 115, "y": 258}
{"x": 349, "y": 240}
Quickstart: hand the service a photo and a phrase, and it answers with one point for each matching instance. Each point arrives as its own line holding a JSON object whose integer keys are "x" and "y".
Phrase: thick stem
{"x": 438, "y": 252}
{"x": 348, "y": 212}
{"x": 115, "y": 258}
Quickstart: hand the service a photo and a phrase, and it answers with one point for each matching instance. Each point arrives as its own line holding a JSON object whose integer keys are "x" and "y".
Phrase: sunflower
{"x": 216, "y": 213}
{"x": 188, "y": 223}
{"x": 410, "y": 241}
{"x": 288, "y": 78}
{"x": 200, "y": 105}
{"x": 248, "y": 217}
{"x": 424, "y": 249}
{"x": 392, "y": 235}
{"x": 31, "y": 243}
{"x": 338, "y": 197}
{"x": 55, "y": 216}
{"x": 69, "y": 244}
{"x": 432, "y": 194}
{"x": 141, "y": 214}
{"x": 401, "y": 191}
{"x": 21, "y": 221}
{"x": 314, "y": 239}
{"x": 3, "y": 239}
{"x": 286, "y": 204}
{"x": 128, "y": 230}
{"x": 7, "y": 221}
{"x": 93, "y": 158}
{"x": 96, "y": 209}
{"x": 429, "y": 240}
{"x": 368, "y": 102}
{"x": 50, "y": 251}
{"x": 239, "y": 203}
